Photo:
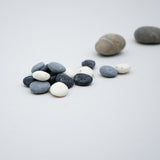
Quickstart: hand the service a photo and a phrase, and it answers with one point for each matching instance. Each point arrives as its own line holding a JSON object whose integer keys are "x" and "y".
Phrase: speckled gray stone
{"x": 37, "y": 67}
{"x": 56, "y": 67}
{"x": 108, "y": 71}
{"x": 37, "y": 87}
{"x": 28, "y": 80}
{"x": 110, "y": 44}
{"x": 147, "y": 35}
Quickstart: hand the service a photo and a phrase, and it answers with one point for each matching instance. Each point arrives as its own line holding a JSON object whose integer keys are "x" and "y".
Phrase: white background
{"x": 113, "y": 119}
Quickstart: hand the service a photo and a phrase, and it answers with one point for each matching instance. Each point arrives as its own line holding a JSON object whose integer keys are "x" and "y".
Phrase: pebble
{"x": 69, "y": 72}
{"x": 82, "y": 79}
{"x": 86, "y": 70}
{"x": 41, "y": 75}
{"x": 45, "y": 69}
{"x": 37, "y": 67}
{"x": 56, "y": 67}
{"x": 89, "y": 63}
{"x": 28, "y": 80}
{"x": 147, "y": 35}
{"x": 65, "y": 79}
{"x": 37, "y": 87}
{"x": 110, "y": 44}
{"x": 122, "y": 68}
{"x": 59, "y": 89}
{"x": 52, "y": 79}
{"x": 108, "y": 71}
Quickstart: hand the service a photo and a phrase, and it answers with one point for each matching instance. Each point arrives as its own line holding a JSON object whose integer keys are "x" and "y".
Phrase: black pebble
{"x": 45, "y": 69}
{"x": 28, "y": 80}
{"x": 89, "y": 63}
{"x": 52, "y": 79}
{"x": 65, "y": 79}
{"x": 82, "y": 79}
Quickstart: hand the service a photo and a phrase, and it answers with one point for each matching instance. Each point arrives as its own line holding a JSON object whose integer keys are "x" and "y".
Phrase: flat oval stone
{"x": 56, "y": 67}
{"x": 147, "y": 35}
{"x": 41, "y": 75}
{"x": 37, "y": 67}
{"x": 108, "y": 71}
{"x": 89, "y": 63}
{"x": 28, "y": 80}
{"x": 110, "y": 44}
{"x": 122, "y": 68}
{"x": 59, "y": 89}
{"x": 69, "y": 72}
{"x": 37, "y": 87}
{"x": 68, "y": 81}
{"x": 82, "y": 79}
{"x": 86, "y": 70}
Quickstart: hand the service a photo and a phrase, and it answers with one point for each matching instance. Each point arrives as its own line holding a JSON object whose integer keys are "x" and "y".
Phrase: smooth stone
{"x": 37, "y": 87}
{"x": 65, "y": 79}
{"x": 147, "y": 35}
{"x": 89, "y": 63}
{"x": 52, "y": 79}
{"x": 82, "y": 79}
{"x": 28, "y": 80}
{"x": 122, "y": 68}
{"x": 56, "y": 67}
{"x": 41, "y": 75}
{"x": 59, "y": 89}
{"x": 86, "y": 70}
{"x": 110, "y": 44}
{"x": 69, "y": 72}
{"x": 37, "y": 67}
{"x": 108, "y": 71}
{"x": 45, "y": 69}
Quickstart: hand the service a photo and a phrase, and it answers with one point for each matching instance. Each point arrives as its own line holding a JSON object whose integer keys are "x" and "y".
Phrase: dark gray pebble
{"x": 108, "y": 71}
{"x": 82, "y": 79}
{"x": 52, "y": 79}
{"x": 28, "y": 80}
{"x": 37, "y": 67}
{"x": 65, "y": 79}
{"x": 45, "y": 69}
{"x": 37, "y": 87}
{"x": 89, "y": 63}
{"x": 56, "y": 67}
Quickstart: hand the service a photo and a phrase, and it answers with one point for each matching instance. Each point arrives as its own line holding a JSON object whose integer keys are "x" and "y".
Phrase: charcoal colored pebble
{"x": 37, "y": 87}
{"x": 37, "y": 67}
{"x": 110, "y": 44}
{"x": 28, "y": 80}
{"x": 52, "y": 79}
{"x": 108, "y": 71}
{"x": 65, "y": 79}
{"x": 82, "y": 79}
{"x": 45, "y": 69}
{"x": 147, "y": 35}
{"x": 89, "y": 63}
{"x": 56, "y": 67}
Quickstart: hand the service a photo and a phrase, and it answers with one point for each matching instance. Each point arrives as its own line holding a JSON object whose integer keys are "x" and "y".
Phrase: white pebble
{"x": 122, "y": 68}
{"x": 59, "y": 89}
{"x": 41, "y": 75}
{"x": 86, "y": 70}
{"x": 69, "y": 72}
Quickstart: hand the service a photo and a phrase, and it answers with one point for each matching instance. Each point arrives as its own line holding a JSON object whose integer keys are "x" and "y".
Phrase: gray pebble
{"x": 56, "y": 67}
{"x": 108, "y": 71}
{"x": 37, "y": 87}
{"x": 37, "y": 67}
{"x": 147, "y": 35}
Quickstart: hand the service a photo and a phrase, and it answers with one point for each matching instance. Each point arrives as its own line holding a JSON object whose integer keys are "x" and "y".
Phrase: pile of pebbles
{"x": 57, "y": 79}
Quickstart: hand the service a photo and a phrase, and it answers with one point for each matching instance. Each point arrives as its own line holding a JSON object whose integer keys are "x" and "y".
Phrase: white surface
{"x": 114, "y": 119}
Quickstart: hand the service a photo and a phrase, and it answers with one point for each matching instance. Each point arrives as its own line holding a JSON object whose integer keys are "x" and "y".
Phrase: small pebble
{"x": 86, "y": 70}
{"x": 65, "y": 79}
{"x": 52, "y": 79}
{"x": 108, "y": 71}
{"x": 41, "y": 75}
{"x": 45, "y": 69}
{"x": 82, "y": 79}
{"x": 69, "y": 72}
{"x": 28, "y": 80}
{"x": 59, "y": 89}
{"x": 37, "y": 87}
{"x": 122, "y": 68}
{"x": 37, "y": 67}
{"x": 56, "y": 67}
{"x": 89, "y": 63}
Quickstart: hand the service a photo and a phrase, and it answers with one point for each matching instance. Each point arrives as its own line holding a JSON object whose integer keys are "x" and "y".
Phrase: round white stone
{"x": 69, "y": 72}
{"x": 59, "y": 89}
{"x": 122, "y": 68}
{"x": 86, "y": 70}
{"x": 41, "y": 75}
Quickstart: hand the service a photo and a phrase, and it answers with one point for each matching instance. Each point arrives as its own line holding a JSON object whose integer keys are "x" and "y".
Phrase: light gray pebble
{"x": 56, "y": 67}
{"x": 37, "y": 67}
{"x": 108, "y": 71}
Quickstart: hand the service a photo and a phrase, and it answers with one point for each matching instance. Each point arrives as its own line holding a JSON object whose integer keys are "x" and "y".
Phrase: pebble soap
{"x": 122, "y": 68}
{"x": 108, "y": 71}
{"x": 147, "y": 35}
{"x": 110, "y": 44}
{"x": 41, "y": 75}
